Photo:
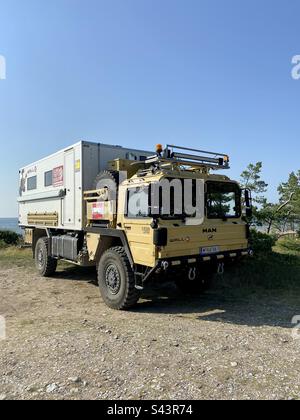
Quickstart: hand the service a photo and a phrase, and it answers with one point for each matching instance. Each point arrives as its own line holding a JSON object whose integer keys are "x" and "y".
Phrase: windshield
{"x": 178, "y": 198}
{"x": 223, "y": 200}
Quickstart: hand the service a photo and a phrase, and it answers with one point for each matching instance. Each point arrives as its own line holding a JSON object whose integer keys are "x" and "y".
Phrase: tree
{"x": 275, "y": 215}
{"x": 285, "y": 214}
{"x": 251, "y": 179}
{"x": 281, "y": 216}
{"x": 290, "y": 199}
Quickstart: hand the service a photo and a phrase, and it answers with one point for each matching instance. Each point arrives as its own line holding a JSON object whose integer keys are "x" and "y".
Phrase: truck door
{"x": 69, "y": 177}
{"x": 136, "y": 224}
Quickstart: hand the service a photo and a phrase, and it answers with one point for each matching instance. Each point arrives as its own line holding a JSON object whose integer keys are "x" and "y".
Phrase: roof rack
{"x": 198, "y": 159}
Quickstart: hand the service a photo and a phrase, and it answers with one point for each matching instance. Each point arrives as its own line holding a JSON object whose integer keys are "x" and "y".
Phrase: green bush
{"x": 262, "y": 242}
{"x": 9, "y": 238}
{"x": 290, "y": 245}
{"x": 2, "y": 244}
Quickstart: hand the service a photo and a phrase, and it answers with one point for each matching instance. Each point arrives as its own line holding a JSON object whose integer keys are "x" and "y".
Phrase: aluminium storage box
{"x": 51, "y": 190}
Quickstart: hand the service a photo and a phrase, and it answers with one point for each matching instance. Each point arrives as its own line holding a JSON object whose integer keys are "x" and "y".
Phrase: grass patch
{"x": 289, "y": 246}
{"x": 11, "y": 257}
{"x": 274, "y": 270}
{"x": 15, "y": 256}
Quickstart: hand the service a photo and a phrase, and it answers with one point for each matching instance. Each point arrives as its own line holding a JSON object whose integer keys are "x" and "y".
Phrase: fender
{"x": 113, "y": 233}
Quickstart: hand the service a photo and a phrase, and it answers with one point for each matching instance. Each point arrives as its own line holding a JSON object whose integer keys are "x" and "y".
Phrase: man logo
{"x": 212, "y": 230}
{"x": 2, "y": 68}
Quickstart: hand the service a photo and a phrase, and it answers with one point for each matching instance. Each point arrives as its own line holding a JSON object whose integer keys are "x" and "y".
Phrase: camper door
{"x": 69, "y": 182}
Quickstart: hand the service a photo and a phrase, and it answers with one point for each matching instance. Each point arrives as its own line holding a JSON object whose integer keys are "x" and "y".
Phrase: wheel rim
{"x": 40, "y": 257}
{"x": 113, "y": 279}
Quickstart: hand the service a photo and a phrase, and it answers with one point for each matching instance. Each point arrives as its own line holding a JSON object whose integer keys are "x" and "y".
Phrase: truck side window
{"x": 48, "y": 179}
{"x": 138, "y": 203}
{"x": 32, "y": 183}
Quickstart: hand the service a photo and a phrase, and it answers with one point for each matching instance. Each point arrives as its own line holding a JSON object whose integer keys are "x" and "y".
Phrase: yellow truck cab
{"x": 173, "y": 233}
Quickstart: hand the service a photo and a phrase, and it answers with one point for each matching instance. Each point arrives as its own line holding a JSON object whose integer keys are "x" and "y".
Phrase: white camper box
{"x": 55, "y": 184}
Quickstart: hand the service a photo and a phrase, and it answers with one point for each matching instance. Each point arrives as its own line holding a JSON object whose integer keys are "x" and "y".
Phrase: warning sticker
{"x": 77, "y": 165}
{"x": 98, "y": 211}
{"x": 58, "y": 176}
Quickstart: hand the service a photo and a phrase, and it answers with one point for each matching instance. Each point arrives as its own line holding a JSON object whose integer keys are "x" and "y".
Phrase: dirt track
{"x": 63, "y": 342}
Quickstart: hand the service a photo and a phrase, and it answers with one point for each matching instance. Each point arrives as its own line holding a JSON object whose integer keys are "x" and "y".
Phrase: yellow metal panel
{"x": 140, "y": 239}
{"x": 125, "y": 165}
{"x": 28, "y": 237}
{"x": 42, "y": 219}
{"x": 188, "y": 240}
{"x": 93, "y": 241}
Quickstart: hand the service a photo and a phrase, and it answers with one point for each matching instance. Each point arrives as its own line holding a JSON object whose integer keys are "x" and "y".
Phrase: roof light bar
{"x": 200, "y": 158}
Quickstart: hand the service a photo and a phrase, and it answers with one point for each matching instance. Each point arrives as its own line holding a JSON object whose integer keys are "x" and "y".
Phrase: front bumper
{"x": 200, "y": 259}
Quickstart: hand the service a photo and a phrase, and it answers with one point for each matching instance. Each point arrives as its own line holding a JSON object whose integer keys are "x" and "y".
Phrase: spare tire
{"x": 109, "y": 180}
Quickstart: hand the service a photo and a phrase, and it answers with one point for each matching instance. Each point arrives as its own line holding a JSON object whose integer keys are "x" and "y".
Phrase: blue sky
{"x": 203, "y": 73}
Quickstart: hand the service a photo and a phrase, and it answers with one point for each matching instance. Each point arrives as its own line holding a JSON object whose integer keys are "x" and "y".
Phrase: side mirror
{"x": 248, "y": 204}
{"x": 249, "y": 213}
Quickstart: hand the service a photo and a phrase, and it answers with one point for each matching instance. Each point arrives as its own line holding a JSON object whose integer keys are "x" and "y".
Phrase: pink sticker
{"x": 58, "y": 176}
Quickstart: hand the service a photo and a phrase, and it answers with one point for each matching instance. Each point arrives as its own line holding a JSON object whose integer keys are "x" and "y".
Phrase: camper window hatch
{"x": 48, "y": 179}
{"x": 32, "y": 183}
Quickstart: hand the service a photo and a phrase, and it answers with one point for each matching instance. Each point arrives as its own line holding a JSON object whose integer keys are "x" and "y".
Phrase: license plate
{"x": 210, "y": 250}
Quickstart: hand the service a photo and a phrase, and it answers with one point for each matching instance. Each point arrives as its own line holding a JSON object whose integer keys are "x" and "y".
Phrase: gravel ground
{"x": 64, "y": 343}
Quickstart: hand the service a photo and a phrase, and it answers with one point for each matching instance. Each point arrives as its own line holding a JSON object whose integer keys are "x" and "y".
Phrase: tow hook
{"x": 192, "y": 274}
{"x": 221, "y": 269}
{"x": 165, "y": 265}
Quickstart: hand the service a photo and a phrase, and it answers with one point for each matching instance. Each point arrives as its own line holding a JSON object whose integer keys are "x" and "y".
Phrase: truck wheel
{"x": 116, "y": 280}
{"x": 201, "y": 284}
{"x": 45, "y": 265}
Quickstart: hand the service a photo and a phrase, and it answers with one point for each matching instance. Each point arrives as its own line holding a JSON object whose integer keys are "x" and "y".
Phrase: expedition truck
{"x": 134, "y": 215}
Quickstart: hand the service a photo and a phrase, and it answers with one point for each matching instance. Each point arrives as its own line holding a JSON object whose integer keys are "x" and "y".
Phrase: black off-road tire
{"x": 109, "y": 179}
{"x": 116, "y": 280}
{"x": 201, "y": 284}
{"x": 46, "y": 265}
